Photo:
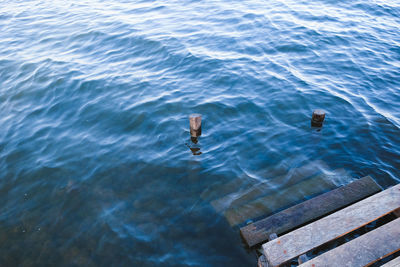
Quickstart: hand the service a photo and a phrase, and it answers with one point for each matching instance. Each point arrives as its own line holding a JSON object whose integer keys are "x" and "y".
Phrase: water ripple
{"x": 97, "y": 165}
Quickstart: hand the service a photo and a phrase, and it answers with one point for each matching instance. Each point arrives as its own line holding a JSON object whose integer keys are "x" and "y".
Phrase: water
{"x": 95, "y": 163}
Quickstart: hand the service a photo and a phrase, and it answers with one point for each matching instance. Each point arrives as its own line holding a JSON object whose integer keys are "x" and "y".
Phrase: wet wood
{"x": 363, "y": 250}
{"x": 302, "y": 259}
{"x": 273, "y": 236}
{"x": 279, "y": 200}
{"x": 218, "y": 190}
{"x": 315, "y": 234}
{"x": 397, "y": 213}
{"x": 309, "y": 210}
{"x": 262, "y": 262}
{"x": 393, "y": 263}
{"x": 318, "y": 117}
{"x": 195, "y": 125}
{"x": 269, "y": 186}
{"x": 240, "y": 184}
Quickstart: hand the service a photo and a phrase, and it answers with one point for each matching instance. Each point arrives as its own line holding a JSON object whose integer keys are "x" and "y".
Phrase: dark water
{"x": 95, "y": 97}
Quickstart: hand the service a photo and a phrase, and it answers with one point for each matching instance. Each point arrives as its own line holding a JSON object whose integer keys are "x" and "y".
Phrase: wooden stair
{"x": 241, "y": 200}
{"x": 280, "y": 199}
{"x": 309, "y": 210}
{"x": 247, "y": 194}
{"x": 361, "y": 251}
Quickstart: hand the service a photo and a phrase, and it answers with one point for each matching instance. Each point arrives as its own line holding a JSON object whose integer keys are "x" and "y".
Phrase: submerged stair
{"x": 268, "y": 187}
{"x": 303, "y": 211}
{"x": 278, "y": 200}
{"x": 309, "y": 210}
{"x": 243, "y": 200}
{"x": 361, "y": 251}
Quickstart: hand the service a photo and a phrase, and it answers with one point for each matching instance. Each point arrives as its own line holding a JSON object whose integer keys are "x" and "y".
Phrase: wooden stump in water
{"x": 318, "y": 117}
{"x": 195, "y": 125}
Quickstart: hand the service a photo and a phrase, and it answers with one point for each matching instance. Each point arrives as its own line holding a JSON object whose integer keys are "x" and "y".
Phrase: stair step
{"x": 283, "y": 198}
{"x": 248, "y": 194}
{"x": 311, "y": 236}
{"x": 236, "y": 184}
{"x": 307, "y": 211}
{"x": 363, "y": 250}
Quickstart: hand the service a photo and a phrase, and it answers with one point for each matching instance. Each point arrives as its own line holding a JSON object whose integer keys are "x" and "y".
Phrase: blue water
{"x": 95, "y": 163}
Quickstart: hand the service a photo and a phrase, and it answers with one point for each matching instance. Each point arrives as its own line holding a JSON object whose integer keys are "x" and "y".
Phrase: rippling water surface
{"x": 95, "y": 163}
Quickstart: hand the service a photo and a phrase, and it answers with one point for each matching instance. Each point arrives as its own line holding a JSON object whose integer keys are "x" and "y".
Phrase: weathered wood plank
{"x": 364, "y": 250}
{"x": 397, "y": 213}
{"x": 331, "y": 227}
{"x": 238, "y": 184}
{"x": 280, "y": 199}
{"x": 245, "y": 182}
{"x": 393, "y": 263}
{"x": 294, "y": 176}
{"x": 309, "y": 210}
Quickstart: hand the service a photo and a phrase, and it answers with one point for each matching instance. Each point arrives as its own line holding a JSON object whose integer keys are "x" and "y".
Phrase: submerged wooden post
{"x": 195, "y": 125}
{"x": 318, "y": 117}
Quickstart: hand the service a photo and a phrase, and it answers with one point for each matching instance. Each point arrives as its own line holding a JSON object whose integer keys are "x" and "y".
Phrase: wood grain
{"x": 363, "y": 250}
{"x": 313, "y": 235}
{"x": 309, "y": 210}
{"x": 280, "y": 199}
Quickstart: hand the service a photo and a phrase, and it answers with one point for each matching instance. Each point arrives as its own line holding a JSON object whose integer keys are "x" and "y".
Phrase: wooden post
{"x": 318, "y": 117}
{"x": 195, "y": 125}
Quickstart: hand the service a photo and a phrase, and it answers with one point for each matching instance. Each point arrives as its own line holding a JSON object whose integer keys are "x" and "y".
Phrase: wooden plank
{"x": 397, "y": 213}
{"x": 279, "y": 200}
{"x": 393, "y": 263}
{"x": 313, "y": 235}
{"x": 309, "y": 210}
{"x": 364, "y": 250}
{"x": 294, "y": 176}
{"x": 245, "y": 182}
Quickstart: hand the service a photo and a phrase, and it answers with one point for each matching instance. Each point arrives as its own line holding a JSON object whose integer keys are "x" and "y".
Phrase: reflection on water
{"x": 194, "y": 146}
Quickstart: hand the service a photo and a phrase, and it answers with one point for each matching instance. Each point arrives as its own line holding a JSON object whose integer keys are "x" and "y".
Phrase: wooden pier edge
{"x": 308, "y": 211}
{"x": 333, "y": 226}
{"x": 364, "y": 250}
